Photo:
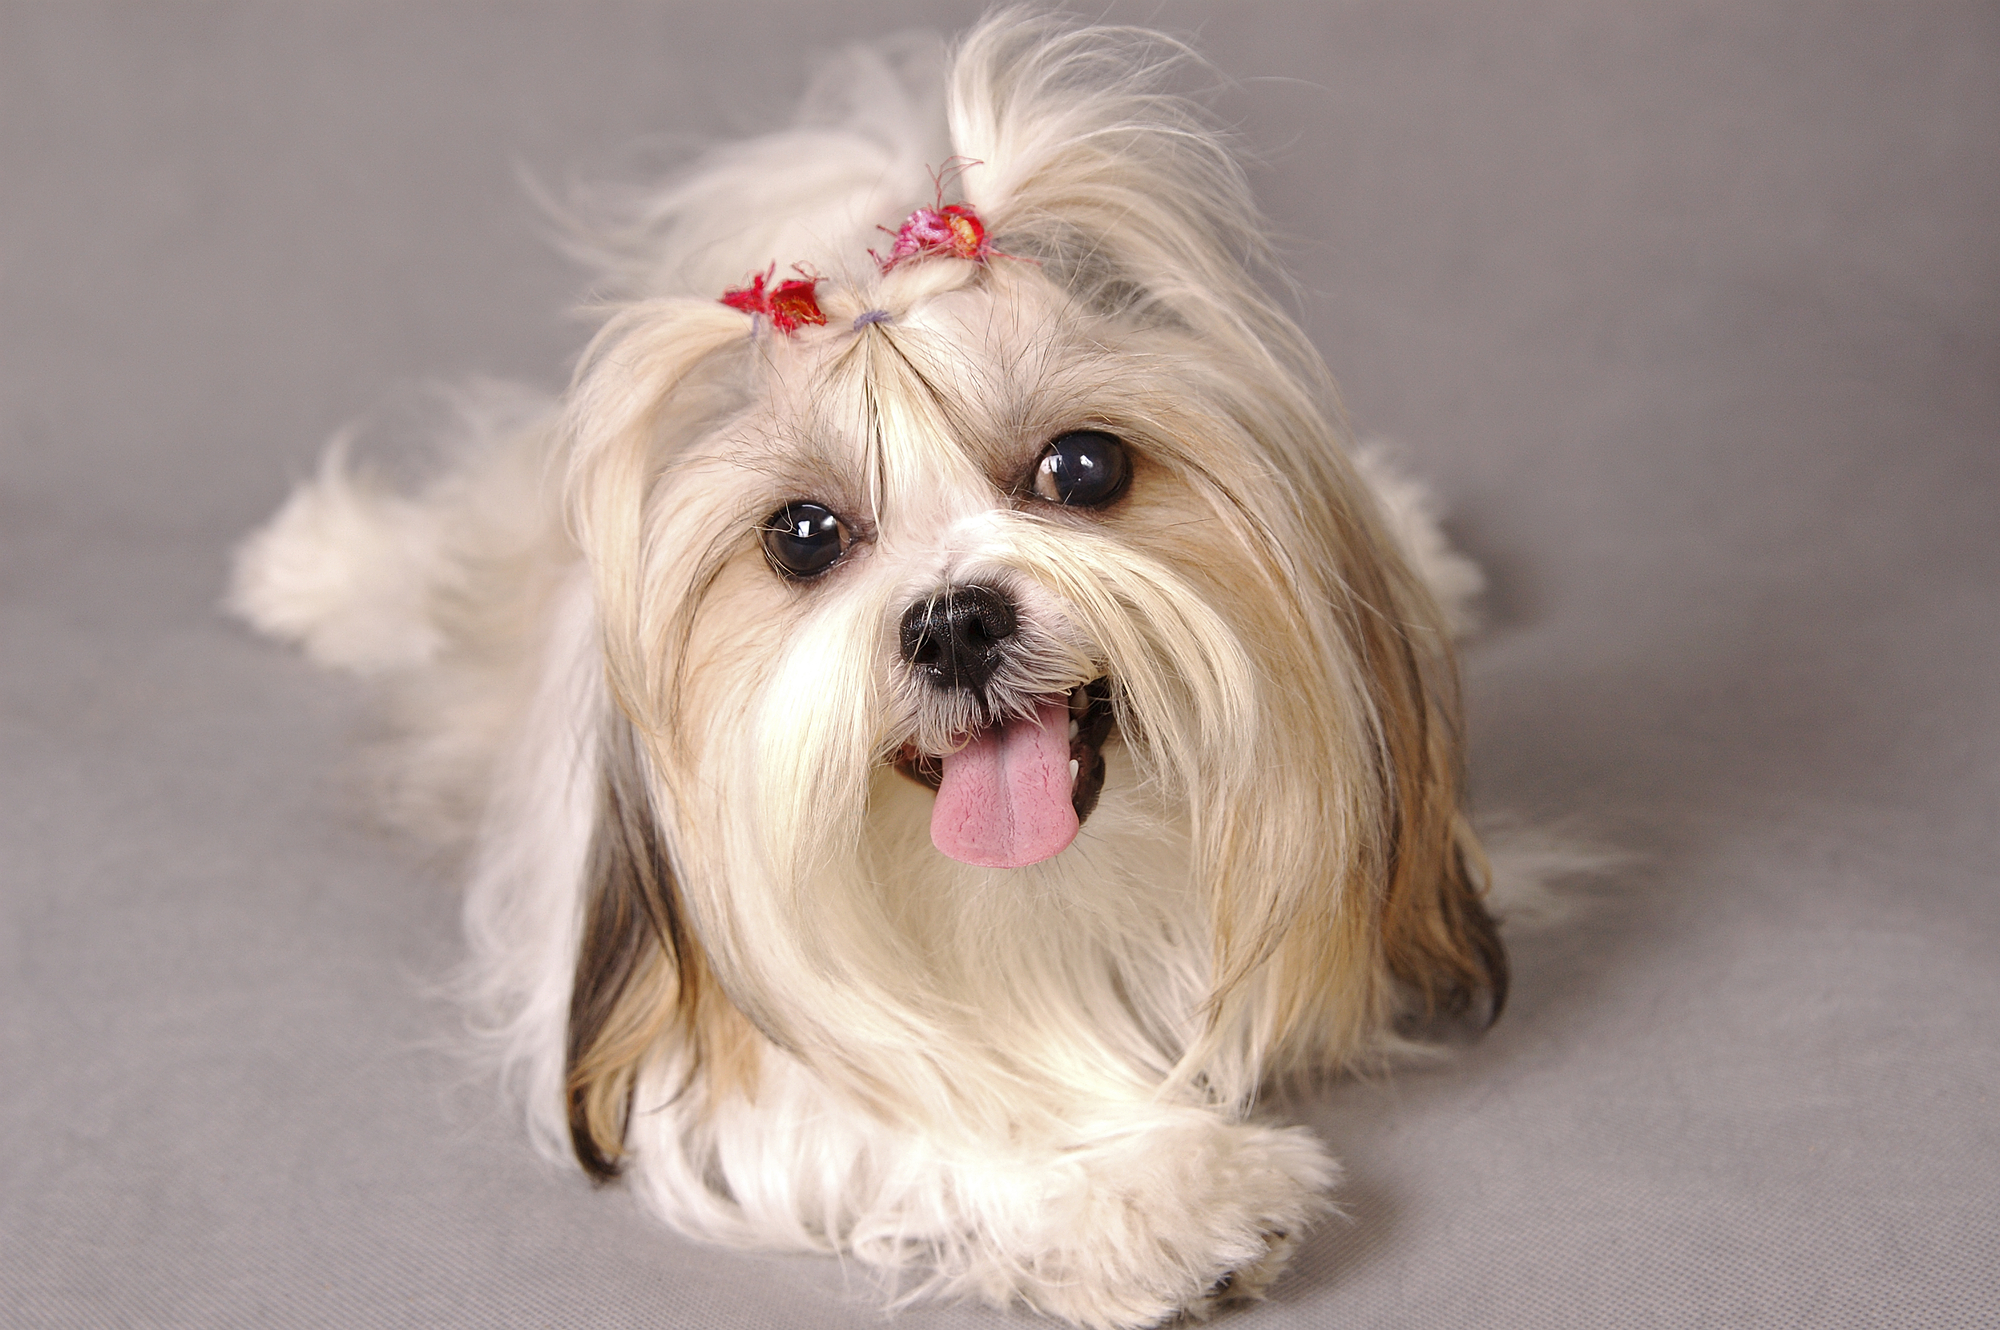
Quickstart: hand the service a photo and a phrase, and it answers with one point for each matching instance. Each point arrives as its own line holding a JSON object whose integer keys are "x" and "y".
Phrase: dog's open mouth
{"x": 1015, "y": 793}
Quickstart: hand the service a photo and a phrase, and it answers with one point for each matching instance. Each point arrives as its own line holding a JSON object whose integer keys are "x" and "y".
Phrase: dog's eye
{"x": 1085, "y": 468}
{"x": 804, "y": 539}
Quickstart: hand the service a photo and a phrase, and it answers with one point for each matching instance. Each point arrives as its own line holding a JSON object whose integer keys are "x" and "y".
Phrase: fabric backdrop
{"x": 1689, "y": 311}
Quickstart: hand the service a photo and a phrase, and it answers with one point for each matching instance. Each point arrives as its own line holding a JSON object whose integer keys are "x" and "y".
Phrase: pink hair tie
{"x": 945, "y": 230}
{"x": 952, "y": 231}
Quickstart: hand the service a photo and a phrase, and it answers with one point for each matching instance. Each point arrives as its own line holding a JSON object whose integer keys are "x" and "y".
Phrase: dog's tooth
{"x": 1073, "y": 728}
{"x": 1072, "y": 771}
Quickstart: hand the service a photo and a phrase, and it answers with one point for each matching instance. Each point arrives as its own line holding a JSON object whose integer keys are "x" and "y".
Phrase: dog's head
{"x": 1009, "y": 658}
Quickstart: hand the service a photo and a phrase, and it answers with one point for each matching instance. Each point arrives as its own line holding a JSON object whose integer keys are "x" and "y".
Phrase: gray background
{"x": 1688, "y": 309}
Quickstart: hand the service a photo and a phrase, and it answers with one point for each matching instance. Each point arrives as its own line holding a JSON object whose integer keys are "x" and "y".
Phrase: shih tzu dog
{"x": 939, "y": 719}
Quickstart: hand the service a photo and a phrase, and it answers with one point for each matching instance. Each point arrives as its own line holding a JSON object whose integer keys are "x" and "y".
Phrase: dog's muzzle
{"x": 1016, "y": 787}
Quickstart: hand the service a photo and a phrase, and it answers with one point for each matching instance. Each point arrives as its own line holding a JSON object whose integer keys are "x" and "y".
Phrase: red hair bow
{"x": 790, "y": 305}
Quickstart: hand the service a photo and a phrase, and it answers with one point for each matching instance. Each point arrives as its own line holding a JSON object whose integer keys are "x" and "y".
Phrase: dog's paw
{"x": 1180, "y": 1218}
{"x": 1247, "y": 1283}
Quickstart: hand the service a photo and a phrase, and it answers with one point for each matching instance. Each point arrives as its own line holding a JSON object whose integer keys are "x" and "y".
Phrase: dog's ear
{"x": 654, "y": 375}
{"x": 1440, "y": 947}
{"x": 630, "y": 961}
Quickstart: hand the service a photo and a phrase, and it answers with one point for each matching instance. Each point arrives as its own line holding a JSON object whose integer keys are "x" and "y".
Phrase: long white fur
{"x": 1075, "y": 1136}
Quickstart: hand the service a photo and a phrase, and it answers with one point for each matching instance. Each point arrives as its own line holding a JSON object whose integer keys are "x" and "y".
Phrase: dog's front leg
{"x": 1123, "y": 1217}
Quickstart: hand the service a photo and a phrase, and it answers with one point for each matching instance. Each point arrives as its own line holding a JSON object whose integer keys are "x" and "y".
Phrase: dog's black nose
{"x": 954, "y": 637}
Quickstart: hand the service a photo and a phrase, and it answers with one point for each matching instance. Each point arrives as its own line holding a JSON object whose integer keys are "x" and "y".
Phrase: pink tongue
{"x": 1004, "y": 798}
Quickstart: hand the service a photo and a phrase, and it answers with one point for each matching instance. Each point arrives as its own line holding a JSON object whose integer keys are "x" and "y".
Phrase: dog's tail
{"x": 344, "y": 571}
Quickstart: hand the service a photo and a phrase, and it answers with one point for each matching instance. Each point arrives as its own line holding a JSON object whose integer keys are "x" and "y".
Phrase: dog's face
{"x": 989, "y": 642}
{"x": 917, "y": 541}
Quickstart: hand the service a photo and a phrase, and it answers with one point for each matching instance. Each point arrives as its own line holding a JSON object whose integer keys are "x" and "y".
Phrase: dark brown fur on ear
{"x": 1438, "y": 940}
{"x": 628, "y": 964}
{"x": 1442, "y": 944}
{"x": 640, "y": 975}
